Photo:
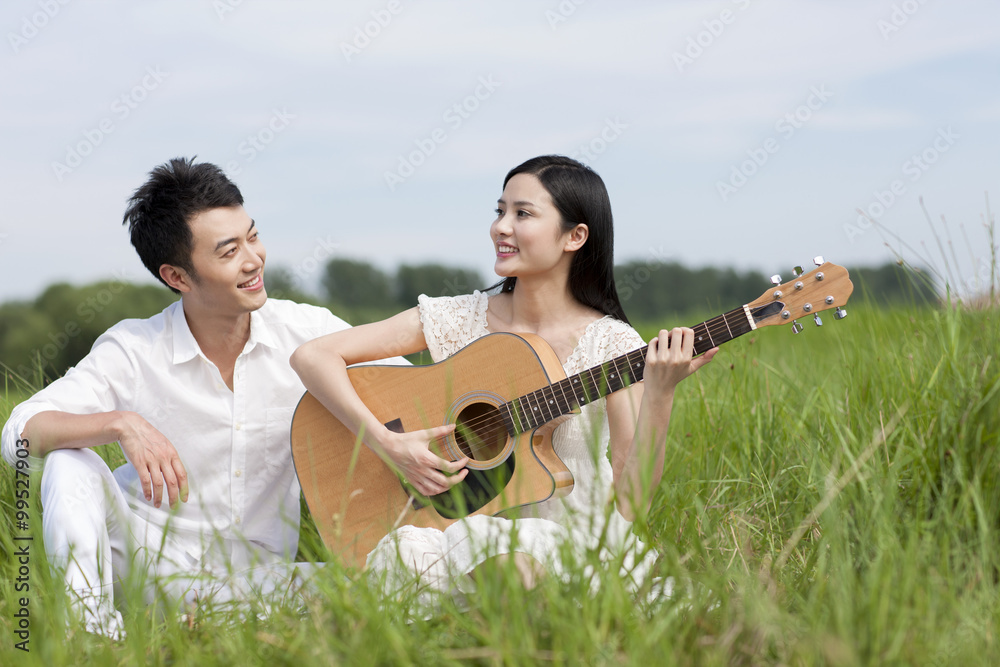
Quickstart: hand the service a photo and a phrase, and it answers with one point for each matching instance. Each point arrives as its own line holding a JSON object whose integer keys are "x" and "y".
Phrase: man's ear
{"x": 577, "y": 237}
{"x": 176, "y": 277}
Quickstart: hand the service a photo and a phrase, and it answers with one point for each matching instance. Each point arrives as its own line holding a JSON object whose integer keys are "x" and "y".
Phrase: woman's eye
{"x": 499, "y": 213}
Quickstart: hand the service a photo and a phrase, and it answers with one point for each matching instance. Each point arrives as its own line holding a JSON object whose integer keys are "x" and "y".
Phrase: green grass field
{"x": 832, "y": 497}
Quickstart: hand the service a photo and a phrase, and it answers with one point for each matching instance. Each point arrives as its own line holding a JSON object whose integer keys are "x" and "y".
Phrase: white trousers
{"x": 93, "y": 536}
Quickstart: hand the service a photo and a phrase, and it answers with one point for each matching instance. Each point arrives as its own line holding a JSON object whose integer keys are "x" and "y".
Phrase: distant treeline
{"x": 40, "y": 339}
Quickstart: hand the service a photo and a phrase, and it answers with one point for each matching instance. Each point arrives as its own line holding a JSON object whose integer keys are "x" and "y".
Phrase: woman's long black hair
{"x": 581, "y": 198}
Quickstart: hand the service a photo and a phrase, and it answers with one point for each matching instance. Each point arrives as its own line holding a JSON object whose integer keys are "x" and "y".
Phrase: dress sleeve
{"x": 452, "y": 322}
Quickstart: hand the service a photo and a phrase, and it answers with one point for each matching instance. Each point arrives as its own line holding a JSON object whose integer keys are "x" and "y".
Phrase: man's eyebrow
{"x": 223, "y": 243}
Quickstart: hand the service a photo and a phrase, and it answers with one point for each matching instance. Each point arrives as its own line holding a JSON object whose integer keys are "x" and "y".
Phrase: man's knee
{"x": 78, "y": 474}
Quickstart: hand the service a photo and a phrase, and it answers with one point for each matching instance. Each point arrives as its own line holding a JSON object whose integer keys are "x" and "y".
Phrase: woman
{"x": 553, "y": 238}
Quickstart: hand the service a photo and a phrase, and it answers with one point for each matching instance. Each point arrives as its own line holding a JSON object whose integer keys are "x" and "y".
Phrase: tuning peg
{"x": 796, "y": 271}
{"x": 818, "y": 321}
{"x": 818, "y": 260}
{"x": 840, "y": 313}
{"x": 776, "y": 279}
{"x": 796, "y": 327}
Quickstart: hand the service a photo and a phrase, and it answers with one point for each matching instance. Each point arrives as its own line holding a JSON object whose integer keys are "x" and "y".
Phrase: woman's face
{"x": 528, "y": 234}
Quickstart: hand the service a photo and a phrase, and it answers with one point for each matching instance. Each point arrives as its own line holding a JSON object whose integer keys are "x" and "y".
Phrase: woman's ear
{"x": 577, "y": 237}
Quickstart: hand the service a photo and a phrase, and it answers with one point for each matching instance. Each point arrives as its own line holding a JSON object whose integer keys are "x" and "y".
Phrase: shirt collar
{"x": 187, "y": 348}
{"x": 260, "y": 330}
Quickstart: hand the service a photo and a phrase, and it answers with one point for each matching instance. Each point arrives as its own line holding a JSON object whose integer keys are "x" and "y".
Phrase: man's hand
{"x": 154, "y": 458}
{"x": 422, "y": 468}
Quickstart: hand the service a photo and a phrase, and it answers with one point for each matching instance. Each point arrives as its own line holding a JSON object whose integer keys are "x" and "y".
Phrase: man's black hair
{"x": 159, "y": 211}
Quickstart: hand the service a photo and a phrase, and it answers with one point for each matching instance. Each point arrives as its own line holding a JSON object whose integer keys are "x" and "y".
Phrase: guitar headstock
{"x": 825, "y": 287}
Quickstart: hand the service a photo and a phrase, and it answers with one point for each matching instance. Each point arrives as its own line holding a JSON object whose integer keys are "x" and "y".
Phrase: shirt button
{"x": 238, "y": 473}
{"x": 239, "y": 426}
{"x": 237, "y": 521}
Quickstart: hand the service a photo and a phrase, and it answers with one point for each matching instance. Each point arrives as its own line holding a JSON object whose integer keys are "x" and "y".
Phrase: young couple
{"x": 200, "y": 397}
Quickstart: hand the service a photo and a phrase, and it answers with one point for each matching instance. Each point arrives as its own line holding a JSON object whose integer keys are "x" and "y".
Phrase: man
{"x": 199, "y": 397}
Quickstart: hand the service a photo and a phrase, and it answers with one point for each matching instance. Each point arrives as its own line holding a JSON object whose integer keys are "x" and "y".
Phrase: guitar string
{"x": 718, "y": 330}
{"x": 717, "y": 327}
{"x": 495, "y": 420}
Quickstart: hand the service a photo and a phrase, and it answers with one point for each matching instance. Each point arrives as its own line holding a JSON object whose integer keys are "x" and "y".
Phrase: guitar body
{"x": 356, "y": 499}
{"x": 506, "y": 393}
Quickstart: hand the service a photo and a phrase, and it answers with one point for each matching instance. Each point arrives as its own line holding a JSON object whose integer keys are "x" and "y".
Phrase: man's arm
{"x": 86, "y": 408}
{"x": 148, "y": 450}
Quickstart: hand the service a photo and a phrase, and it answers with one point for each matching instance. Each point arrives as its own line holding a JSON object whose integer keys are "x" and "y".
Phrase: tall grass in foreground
{"x": 829, "y": 498}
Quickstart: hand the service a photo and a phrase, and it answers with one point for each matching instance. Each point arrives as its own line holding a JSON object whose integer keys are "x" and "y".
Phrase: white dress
{"x": 585, "y": 520}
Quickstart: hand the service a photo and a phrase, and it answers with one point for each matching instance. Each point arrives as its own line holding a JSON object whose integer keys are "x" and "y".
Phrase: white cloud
{"x": 354, "y": 119}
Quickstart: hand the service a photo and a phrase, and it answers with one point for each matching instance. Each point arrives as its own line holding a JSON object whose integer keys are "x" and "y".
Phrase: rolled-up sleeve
{"x": 102, "y": 381}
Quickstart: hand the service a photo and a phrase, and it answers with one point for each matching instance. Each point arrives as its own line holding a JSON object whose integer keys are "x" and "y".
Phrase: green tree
{"x": 47, "y": 336}
{"x": 281, "y": 284}
{"x": 356, "y": 284}
{"x": 667, "y": 291}
{"x": 22, "y": 329}
{"x": 893, "y": 284}
{"x": 433, "y": 280}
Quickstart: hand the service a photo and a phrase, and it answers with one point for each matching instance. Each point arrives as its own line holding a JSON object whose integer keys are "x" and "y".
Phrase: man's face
{"x": 228, "y": 260}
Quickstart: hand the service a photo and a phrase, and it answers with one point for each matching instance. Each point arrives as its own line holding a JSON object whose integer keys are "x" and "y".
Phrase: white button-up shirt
{"x": 244, "y": 495}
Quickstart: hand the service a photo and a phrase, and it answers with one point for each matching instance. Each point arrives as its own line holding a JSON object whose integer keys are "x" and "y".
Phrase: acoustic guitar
{"x": 506, "y": 393}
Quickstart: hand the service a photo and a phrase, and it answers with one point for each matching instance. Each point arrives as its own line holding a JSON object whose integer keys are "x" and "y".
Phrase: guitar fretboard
{"x": 530, "y": 411}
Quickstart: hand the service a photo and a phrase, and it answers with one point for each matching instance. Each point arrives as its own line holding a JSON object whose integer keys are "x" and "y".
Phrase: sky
{"x": 738, "y": 133}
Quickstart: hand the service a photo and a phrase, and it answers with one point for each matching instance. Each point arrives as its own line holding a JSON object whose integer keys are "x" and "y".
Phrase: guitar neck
{"x": 532, "y": 410}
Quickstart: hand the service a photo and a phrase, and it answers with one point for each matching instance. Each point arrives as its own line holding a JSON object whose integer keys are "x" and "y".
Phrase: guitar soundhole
{"x": 480, "y": 432}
